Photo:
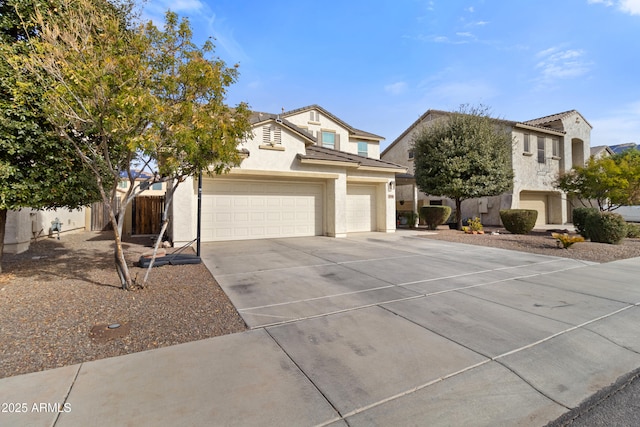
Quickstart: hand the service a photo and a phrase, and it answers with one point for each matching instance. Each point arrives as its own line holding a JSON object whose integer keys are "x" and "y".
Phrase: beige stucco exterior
{"x": 26, "y": 225}
{"x": 279, "y": 151}
{"x": 534, "y": 176}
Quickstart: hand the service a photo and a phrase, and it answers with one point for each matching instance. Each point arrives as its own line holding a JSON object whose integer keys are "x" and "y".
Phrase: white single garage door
{"x": 238, "y": 209}
{"x": 361, "y": 208}
{"x": 535, "y": 201}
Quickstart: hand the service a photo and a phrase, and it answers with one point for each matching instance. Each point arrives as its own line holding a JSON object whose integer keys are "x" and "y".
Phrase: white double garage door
{"x": 246, "y": 209}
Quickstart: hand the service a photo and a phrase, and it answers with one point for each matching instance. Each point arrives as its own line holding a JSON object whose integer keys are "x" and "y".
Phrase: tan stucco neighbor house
{"x": 542, "y": 149}
{"x": 305, "y": 173}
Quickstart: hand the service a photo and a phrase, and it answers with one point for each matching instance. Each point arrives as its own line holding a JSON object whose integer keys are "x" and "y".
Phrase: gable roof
{"x": 322, "y": 154}
{"x": 258, "y": 118}
{"x": 352, "y": 131}
{"x": 535, "y": 123}
{"x": 542, "y": 121}
{"x": 596, "y": 151}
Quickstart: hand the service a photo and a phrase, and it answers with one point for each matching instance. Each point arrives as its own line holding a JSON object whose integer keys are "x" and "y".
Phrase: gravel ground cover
{"x": 57, "y": 299}
{"x": 541, "y": 242}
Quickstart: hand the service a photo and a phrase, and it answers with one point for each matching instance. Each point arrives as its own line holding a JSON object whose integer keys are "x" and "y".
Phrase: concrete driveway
{"x": 374, "y": 329}
{"x": 397, "y": 329}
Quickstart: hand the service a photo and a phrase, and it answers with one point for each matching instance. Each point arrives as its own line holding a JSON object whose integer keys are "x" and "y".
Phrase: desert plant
{"x": 518, "y": 221}
{"x": 633, "y": 230}
{"x": 433, "y": 216}
{"x": 565, "y": 240}
{"x": 606, "y": 227}
{"x": 475, "y": 224}
{"x": 412, "y": 218}
{"x": 580, "y": 219}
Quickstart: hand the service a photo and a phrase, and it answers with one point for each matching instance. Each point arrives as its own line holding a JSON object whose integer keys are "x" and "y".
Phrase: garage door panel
{"x": 361, "y": 208}
{"x": 537, "y": 202}
{"x": 253, "y": 210}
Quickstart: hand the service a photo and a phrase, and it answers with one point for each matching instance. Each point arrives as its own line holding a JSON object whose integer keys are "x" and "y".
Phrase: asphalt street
{"x": 615, "y": 406}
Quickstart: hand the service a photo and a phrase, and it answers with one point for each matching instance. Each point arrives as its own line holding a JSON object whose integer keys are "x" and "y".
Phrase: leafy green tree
{"x": 609, "y": 182}
{"x": 121, "y": 94}
{"x": 193, "y": 130}
{"x": 465, "y": 155}
{"x": 37, "y": 169}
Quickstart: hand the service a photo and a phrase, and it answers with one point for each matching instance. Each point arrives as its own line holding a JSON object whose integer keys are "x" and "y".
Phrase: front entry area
{"x": 244, "y": 209}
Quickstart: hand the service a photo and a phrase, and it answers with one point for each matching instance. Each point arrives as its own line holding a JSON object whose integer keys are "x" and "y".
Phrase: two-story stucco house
{"x": 542, "y": 149}
{"x": 305, "y": 173}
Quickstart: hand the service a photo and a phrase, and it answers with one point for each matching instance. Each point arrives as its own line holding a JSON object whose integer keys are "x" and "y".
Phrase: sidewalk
{"x": 375, "y": 330}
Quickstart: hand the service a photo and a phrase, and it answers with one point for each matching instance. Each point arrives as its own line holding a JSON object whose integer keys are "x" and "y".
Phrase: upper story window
{"x": 314, "y": 116}
{"x": 541, "y": 150}
{"x": 156, "y": 186}
{"x": 527, "y": 143}
{"x": 329, "y": 140}
{"x": 363, "y": 149}
{"x": 411, "y": 154}
{"x": 123, "y": 184}
{"x": 555, "y": 147}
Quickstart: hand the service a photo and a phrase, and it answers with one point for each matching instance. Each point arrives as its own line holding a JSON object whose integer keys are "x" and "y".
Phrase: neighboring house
{"x": 542, "y": 149}
{"x": 27, "y": 225}
{"x": 601, "y": 151}
{"x": 305, "y": 173}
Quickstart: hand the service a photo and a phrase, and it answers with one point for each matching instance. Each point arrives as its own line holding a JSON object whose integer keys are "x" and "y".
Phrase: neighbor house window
{"x": 271, "y": 134}
{"x": 527, "y": 143}
{"x": 363, "y": 149}
{"x": 555, "y": 147}
{"x": 411, "y": 154}
{"x": 314, "y": 116}
{"x": 541, "y": 153}
{"x": 123, "y": 184}
{"x": 329, "y": 140}
{"x": 156, "y": 186}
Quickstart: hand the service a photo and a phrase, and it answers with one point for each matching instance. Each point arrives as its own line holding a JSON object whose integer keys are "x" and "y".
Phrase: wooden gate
{"x": 147, "y": 214}
{"x": 100, "y": 216}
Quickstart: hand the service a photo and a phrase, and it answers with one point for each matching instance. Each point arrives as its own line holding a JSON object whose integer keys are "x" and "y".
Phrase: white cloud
{"x": 555, "y": 64}
{"x": 396, "y": 88}
{"x": 469, "y": 9}
{"x": 632, "y": 7}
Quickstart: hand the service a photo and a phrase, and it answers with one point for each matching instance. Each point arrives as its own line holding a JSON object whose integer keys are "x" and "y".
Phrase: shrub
{"x": 565, "y": 240}
{"x": 580, "y": 219}
{"x": 606, "y": 227}
{"x": 475, "y": 224}
{"x": 633, "y": 230}
{"x": 518, "y": 221}
{"x": 433, "y": 216}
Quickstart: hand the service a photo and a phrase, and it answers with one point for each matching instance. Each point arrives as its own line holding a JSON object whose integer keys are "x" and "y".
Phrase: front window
{"x": 527, "y": 144}
{"x": 541, "y": 153}
{"x": 363, "y": 149}
{"x": 329, "y": 140}
{"x": 555, "y": 147}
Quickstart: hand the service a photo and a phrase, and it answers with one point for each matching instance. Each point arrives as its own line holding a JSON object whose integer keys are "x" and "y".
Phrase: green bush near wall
{"x": 633, "y": 230}
{"x": 434, "y": 216}
{"x": 519, "y": 221}
{"x": 580, "y": 219}
{"x": 606, "y": 227}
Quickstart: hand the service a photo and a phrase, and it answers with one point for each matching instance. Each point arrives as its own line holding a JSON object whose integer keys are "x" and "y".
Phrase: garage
{"x": 535, "y": 201}
{"x": 242, "y": 209}
{"x": 361, "y": 208}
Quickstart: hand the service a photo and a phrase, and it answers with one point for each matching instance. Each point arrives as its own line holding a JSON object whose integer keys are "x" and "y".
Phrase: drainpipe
{"x": 199, "y": 212}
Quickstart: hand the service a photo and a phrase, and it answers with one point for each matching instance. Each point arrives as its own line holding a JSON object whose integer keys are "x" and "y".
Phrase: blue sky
{"x": 379, "y": 65}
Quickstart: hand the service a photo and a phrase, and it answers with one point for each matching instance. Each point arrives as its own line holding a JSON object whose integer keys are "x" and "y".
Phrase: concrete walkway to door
{"x": 374, "y": 329}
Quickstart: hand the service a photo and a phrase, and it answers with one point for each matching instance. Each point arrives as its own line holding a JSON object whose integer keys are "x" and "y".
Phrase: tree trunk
{"x": 459, "y": 213}
{"x": 121, "y": 262}
{"x": 3, "y": 223}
